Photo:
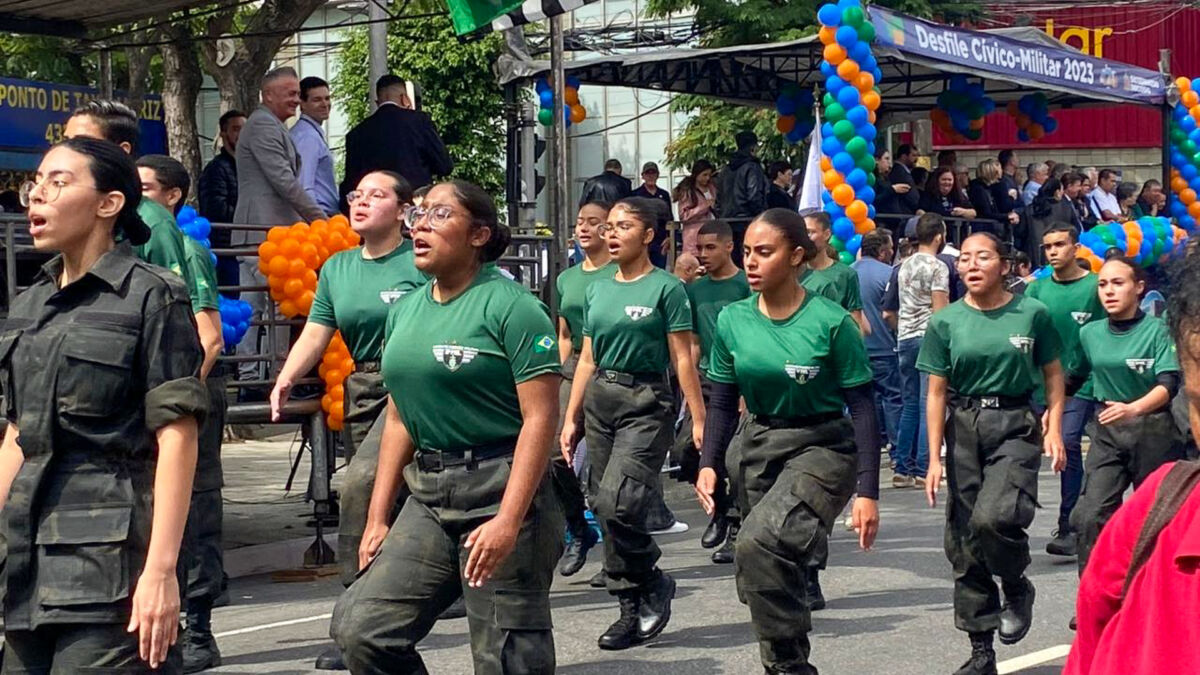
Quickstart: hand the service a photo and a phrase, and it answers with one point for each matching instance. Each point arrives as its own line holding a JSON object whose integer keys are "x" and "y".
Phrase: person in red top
{"x": 1140, "y": 631}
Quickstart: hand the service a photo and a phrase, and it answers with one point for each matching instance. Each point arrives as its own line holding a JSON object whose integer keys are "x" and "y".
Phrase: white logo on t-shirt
{"x": 1139, "y": 366}
{"x": 388, "y": 297}
{"x": 1022, "y": 343}
{"x": 802, "y": 374}
{"x": 454, "y": 356}
{"x": 1081, "y": 317}
{"x": 637, "y": 312}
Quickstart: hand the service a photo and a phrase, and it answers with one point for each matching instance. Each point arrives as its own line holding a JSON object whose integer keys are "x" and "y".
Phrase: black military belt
{"x": 627, "y": 379}
{"x": 433, "y": 461}
{"x": 772, "y": 422}
{"x": 367, "y": 367}
{"x": 992, "y": 402}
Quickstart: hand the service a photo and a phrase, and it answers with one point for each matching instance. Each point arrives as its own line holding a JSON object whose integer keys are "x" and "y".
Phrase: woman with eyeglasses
{"x": 356, "y": 289}
{"x": 983, "y": 355}
{"x": 472, "y": 369}
{"x": 100, "y": 363}
{"x": 634, "y": 324}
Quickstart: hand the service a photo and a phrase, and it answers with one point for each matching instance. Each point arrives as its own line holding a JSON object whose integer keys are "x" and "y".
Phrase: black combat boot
{"x": 724, "y": 555}
{"x": 983, "y": 657}
{"x": 1017, "y": 615}
{"x": 715, "y": 533}
{"x": 576, "y": 554}
{"x": 812, "y": 590}
{"x": 623, "y": 634}
{"x": 199, "y": 647}
{"x": 655, "y": 609}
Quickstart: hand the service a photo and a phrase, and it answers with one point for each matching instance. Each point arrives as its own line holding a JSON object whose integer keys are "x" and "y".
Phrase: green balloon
{"x": 871, "y": 179}
{"x": 828, "y": 100}
{"x": 844, "y": 130}
{"x": 866, "y": 32}
{"x": 846, "y": 258}
{"x": 835, "y": 113}
{"x": 1106, "y": 235}
{"x": 866, "y": 163}
{"x": 837, "y": 244}
{"x": 857, "y": 147}
{"x": 790, "y": 89}
{"x": 1189, "y": 147}
{"x": 1159, "y": 246}
{"x": 1196, "y": 159}
{"x": 853, "y": 17}
{"x": 1177, "y": 134}
{"x": 546, "y": 116}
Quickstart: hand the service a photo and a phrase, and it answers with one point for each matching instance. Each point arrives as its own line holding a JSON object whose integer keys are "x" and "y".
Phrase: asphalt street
{"x": 889, "y": 610}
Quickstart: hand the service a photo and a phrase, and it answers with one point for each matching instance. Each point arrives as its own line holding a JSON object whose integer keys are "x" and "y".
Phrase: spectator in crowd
{"x": 687, "y": 268}
{"x": 943, "y": 197}
{"x": 1021, "y": 274}
{"x": 1127, "y": 194}
{"x": 1008, "y": 176}
{"x": 1151, "y": 200}
{"x": 394, "y": 138}
{"x": 217, "y": 193}
{"x": 1141, "y": 575}
{"x": 742, "y": 189}
{"x": 1103, "y": 198}
{"x": 982, "y": 197}
{"x": 649, "y": 190}
{"x": 316, "y": 162}
{"x": 269, "y": 193}
{"x": 697, "y": 197}
{"x": 609, "y": 186}
{"x": 1036, "y": 175}
{"x": 1075, "y": 192}
{"x": 902, "y": 167}
{"x": 1049, "y": 209}
{"x": 890, "y": 196}
{"x": 1091, "y": 178}
{"x": 1059, "y": 170}
{"x": 962, "y": 178}
{"x": 780, "y": 175}
{"x": 874, "y": 269}
{"x": 947, "y": 158}
{"x": 920, "y": 179}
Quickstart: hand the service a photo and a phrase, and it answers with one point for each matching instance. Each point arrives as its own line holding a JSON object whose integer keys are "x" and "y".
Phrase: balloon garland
{"x": 1184, "y": 204}
{"x": 1032, "y": 115}
{"x": 197, "y": 227}
{"x": 962, "y": 110}
{"x": 851, "y": 103}
{"x": 235, "y": 314}
{"x": 1148, "y": 240}
{"x": 573, "y": 110}
{"x": 336, "y": 366}
{"x": 291, "y": 256}
{"x": 795, "y": 108}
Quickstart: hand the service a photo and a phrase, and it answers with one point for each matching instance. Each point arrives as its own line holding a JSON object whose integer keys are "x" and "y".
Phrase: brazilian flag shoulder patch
{"x": 543, "y": 343}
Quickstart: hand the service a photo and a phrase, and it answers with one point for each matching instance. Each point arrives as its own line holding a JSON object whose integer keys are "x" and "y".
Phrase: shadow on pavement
{"x": 630, "y": 667}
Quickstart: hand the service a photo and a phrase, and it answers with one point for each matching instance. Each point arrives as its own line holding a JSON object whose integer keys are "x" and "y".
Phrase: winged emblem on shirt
{"x": 1139, "y": 366}
{"x": 454, "y": 356}
{"x": 1081, "y": 317}
{"x": 1022, "y": 343}
{"x": 388, "y": 297}
{"x": 638, "y": 312}
{"x": 802, "y": 374}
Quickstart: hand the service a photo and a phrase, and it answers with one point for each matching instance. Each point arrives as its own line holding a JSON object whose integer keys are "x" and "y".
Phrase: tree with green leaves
{"x": 724, "y": 23}
{"x": 459, "y": 90}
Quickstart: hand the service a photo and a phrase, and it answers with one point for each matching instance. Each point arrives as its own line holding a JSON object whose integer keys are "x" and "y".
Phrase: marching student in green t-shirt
{"x": 1070, "y": 295}
{"x": 987, "y": 348}
{"x": 1134, "y": 373}
{"x": 572, "y": 284}
{"x": 828, "y": 276}
{"x": 472, "y": 369}
{"x": 723, "y": 283}
{"x": 798, "y": 359}
{"x": 635, "y": 324}
{"x": 355, "y": 290}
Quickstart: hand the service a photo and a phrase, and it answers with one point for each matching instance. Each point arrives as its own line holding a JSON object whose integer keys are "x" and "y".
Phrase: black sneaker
{"x": 199, "y": 651}
{"x": 576, "y": 554}
{"x": 1073, "y": 625}
{"x": 724, "y": 555}
{"x": 655, "y": 609}
{"x": 599, "y": 579}
{"x": 623, "y": 634}
{"x": 1063, "y": 543}
{"x": 716, "y": 532}
{"x": 983, "y": 657}
{"x": 812, "y": 591}
{"x": 1016, "y": 617}
{"x": 331, "y": 659}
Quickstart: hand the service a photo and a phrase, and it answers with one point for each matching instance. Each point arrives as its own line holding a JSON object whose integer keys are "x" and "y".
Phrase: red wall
{"x": 1130, "y": 32}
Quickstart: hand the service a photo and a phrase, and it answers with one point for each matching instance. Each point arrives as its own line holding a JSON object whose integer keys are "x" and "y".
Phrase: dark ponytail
{"x": 113, "y": 170}
{"x": 479, "y": 204}
{"x": 791, "y": 225}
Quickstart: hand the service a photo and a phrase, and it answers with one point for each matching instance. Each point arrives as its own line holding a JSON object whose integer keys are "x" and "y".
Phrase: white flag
{"x": 810, "y": 192}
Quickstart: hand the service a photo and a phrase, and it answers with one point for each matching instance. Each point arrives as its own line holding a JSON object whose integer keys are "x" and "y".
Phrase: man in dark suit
{"x": 609, "y": 186}
{"x": 394, "y": 138}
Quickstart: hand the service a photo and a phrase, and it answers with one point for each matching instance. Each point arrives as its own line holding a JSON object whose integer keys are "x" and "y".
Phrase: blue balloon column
{"x": 1032, "y": 115}
{"x": 848, "y": 145}
{"x": 962, "y": 109}
{"x": 795, "y": 108}
{"x": 573, "y": 110}
{"x": 235, "y": 314}
{"x": 197, "y": 227}
{"x": 1184, "y": 202}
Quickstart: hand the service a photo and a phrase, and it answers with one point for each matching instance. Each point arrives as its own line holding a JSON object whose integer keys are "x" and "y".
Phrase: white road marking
{"x": 277, "y": 624}
{"x": 1034, "y": 659}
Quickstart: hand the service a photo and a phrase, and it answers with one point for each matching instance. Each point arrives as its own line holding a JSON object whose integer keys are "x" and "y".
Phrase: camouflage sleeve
{"x": 172, "y": 356}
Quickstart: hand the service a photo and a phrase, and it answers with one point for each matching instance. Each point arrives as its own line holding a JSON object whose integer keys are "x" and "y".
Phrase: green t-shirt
{"x": 838, "y": 282}
{"x": 165, "y": 246}
{"x": 1123, "y": 366}
{"x": 203, "y": 292}
{"x": 628, "y": 321}
{"x": 1072, "y": 305}
{"x": 708, "y": 298}
{"x": 572, "y": 284}
{"x": 793, "y": 367}
{"x": 354, "y": 295}
{"x": 452, "y": 368}
{"x": 992, "y": 353}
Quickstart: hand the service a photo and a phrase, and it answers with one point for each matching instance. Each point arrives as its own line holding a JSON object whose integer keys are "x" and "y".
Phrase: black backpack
{"x": 1172, "y": 493}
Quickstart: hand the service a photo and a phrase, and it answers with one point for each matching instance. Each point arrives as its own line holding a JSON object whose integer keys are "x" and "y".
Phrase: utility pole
{"x": 377, "y": 44}
{"x": 559, "y": 188}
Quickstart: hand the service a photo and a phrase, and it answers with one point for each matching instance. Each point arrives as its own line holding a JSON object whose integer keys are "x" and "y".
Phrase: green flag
{"x": 470, "y": 16}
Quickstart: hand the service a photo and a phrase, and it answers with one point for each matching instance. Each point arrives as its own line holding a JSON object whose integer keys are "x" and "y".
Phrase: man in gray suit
{"x": 269, "y": 193}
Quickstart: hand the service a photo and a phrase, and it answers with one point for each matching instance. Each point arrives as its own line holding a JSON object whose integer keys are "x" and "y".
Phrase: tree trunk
{"x": 182, "y": 79}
